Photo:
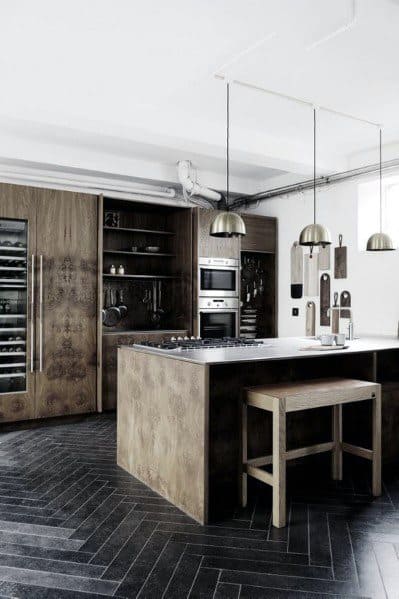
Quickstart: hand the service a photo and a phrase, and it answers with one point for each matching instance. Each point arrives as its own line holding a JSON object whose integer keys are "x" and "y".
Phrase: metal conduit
{"x": 247, "y": 200}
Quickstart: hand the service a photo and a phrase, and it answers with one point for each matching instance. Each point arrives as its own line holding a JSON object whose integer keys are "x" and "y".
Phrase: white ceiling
{"x": 135, "y": 79}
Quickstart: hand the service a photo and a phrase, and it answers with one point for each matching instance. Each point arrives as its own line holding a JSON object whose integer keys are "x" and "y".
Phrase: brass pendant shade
{"x": 380, "y": 242}
{"x": 314, "y": 234}
{"x": 227, "y": 224}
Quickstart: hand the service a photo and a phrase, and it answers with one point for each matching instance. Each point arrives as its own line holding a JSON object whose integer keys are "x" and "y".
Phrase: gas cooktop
{"x": 198, "y": 343}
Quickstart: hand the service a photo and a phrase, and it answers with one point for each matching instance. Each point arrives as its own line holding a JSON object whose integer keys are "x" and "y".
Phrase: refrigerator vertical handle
{"x": 41, "y": 314}
{"x": 32, "y": 316}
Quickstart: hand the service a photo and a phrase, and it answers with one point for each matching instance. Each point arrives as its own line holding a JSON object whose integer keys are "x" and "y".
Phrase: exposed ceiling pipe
{"x": 193, "y": 191}
{"x": 241, "y": 201}
{"x": 342, "y": 29}
{"x": 92, "y": 183}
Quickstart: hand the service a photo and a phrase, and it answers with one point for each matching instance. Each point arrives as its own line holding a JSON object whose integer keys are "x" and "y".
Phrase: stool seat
{"x": 282, "y": 398}
{"x": 304, "y": 395}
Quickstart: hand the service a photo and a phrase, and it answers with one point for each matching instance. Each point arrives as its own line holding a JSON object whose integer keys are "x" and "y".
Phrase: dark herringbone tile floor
{"x": 72, "y": 524}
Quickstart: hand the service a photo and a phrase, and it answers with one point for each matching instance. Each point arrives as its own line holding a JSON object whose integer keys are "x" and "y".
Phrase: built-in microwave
{"x": 218, "y": 277}
{"x": 218, "y": 317}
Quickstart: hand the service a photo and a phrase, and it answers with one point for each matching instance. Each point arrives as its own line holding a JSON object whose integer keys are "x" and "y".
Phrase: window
{"x": 369, "y": 210}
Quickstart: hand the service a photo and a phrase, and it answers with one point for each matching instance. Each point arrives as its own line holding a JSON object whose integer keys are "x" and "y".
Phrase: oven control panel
{"x": 217, "y": 303}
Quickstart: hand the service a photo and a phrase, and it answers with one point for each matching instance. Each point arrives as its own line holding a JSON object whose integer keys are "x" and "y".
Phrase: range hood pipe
{"x": 193, "y": 189}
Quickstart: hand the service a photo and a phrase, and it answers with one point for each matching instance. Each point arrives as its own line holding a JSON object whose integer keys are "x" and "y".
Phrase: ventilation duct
{"x": 192, "y": 190}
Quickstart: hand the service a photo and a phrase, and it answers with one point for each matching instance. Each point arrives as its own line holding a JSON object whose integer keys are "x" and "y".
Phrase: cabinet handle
{"x": 32, "y": 315}
{"x": 41, "y": 314}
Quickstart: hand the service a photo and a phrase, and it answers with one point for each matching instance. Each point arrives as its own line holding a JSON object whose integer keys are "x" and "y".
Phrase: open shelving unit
{"x": 128, "y": 232}
{"x": 136, "y": 226}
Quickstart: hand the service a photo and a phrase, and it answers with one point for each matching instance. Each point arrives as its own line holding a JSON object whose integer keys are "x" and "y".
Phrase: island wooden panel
{"x": 162, "y": 427}
{"x": 110, "y": 344}
{"x": 67, "y": 240}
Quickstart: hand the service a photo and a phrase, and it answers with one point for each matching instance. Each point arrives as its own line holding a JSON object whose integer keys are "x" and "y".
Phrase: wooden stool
{"x": 305, "y": 395}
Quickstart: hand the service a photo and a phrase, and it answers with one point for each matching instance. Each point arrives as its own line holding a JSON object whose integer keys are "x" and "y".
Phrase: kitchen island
{"x": 178, "y": 411}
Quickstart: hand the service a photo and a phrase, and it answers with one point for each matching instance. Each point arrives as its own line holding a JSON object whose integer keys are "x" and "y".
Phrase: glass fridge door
{"x": 13, "y": 305}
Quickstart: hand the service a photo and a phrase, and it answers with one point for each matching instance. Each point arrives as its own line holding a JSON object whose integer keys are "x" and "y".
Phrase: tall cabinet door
{"x": 17, "y": 248}
{"x": 66, "y": 339}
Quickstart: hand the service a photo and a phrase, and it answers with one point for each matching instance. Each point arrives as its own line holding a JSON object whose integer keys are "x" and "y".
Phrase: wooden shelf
{"x": 147, "y": 254}
{"x": 139, "y": 276}
{"x": 144, "y": 231}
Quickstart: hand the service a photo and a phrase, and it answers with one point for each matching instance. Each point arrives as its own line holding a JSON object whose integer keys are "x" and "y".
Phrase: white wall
{"x": 373, "y": 278}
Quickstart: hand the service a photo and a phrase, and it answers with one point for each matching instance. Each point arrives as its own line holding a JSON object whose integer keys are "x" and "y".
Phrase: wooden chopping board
{"x": 345, "y": 303}
{"x": 325, "y": 300}
{"x": 296, "y": 270}
{"x": 310, "y": 319}
{"x": 340, "y": 260}
{"x": 335, "y": 309}
{"x": 311, "y": 276}
{"x": 324, "y": 258}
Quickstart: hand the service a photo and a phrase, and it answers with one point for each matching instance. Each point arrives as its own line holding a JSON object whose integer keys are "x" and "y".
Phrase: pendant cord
{"x": 314, "y": 165}
{"x": 227, "y": 144}
{"x": 380, "y": 180}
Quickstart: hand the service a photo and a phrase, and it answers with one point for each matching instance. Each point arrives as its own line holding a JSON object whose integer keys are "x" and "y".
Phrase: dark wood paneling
{"x": 110, "y": 345}
{"x": 67, "y": 239}
{"x": 261, "y": 233}
{"x": 213, "y": 247}
{"x": 17, "y": 201}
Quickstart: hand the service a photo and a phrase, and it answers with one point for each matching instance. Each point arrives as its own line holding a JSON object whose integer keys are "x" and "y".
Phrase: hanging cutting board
{"x": 324, "y": 258}
{"x": 335, "y": 315}
{"x": 296, "y": 270}
{"x": 340, "y": 260}
{"x": 311, "y": 276}
{"x": 325, "y": 301}
{"x": 310, "y": 319}
{"x": 345, "y": 303}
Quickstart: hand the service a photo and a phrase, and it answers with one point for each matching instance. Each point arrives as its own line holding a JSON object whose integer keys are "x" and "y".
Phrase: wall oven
{"x": 218, "y": 317}
{"x": 218, "y": 277}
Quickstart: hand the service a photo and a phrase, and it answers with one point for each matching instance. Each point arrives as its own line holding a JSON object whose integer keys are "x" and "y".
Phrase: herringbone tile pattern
{"x": 72, "y": 524}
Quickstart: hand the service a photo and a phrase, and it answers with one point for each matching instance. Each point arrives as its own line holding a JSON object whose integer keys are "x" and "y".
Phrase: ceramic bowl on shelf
{"x": 152, "y": 249}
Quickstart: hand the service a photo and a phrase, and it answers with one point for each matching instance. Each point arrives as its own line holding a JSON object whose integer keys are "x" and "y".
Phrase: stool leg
{"x": 279, "y": 465}
{"x": 244, "y": 453}
{"x": 376, "y": 463}
{"x": 337, "y": 439}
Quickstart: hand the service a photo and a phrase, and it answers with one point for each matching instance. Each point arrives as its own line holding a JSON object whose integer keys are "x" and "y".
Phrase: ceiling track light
{"x": 314, "y": 234}
{"x": 380, "y": 242}
{"x": 227, "y": 224}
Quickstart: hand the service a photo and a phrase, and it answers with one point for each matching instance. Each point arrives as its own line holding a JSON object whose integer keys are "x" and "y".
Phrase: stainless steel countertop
{"x": 281, "y": 348}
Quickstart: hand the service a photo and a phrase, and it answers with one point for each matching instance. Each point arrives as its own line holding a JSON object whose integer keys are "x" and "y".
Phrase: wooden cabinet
{"x": 261, "y": 234}
{"x": 60, "y": 289}
{"x": 110, "y": 344}
{"x": 66, "y": 322}
{"x": 212, "y": 247}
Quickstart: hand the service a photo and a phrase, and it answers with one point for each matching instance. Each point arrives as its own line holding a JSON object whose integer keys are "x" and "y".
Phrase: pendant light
{"x": 314, "y": 234}
{"x": 226, "y": 223}
{"x": 380, "y": 242}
